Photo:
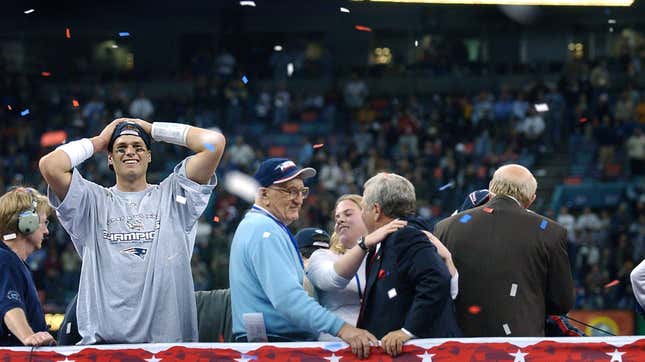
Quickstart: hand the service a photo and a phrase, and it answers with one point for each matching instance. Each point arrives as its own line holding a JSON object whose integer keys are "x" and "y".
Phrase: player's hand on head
{"x": 103, "y": 139}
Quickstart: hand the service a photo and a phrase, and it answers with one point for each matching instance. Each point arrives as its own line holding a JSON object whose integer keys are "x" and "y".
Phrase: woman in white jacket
{"x": 338, "y": 273}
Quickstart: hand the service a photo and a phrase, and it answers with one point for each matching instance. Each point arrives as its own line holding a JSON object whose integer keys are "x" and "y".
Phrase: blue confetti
{"x": 25, "y": 112}
{"x": 209, "y": 147}
{"x": 124, "y": 33}
{"x": 543, "y": 224}
{"x": 464, "y": 219}
{"x": 245, "y": 79}
{"x": 446, "y": 186}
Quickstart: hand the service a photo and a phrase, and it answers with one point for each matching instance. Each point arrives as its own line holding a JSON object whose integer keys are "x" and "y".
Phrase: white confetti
{"x": 277, "y": 48}
{"x": 247, "y": 3}
{"x": 29, "y": 11}
{"x": 9, "y": 237}
{"x": 507, "y": 329}
{"x": 241, "y": 185}
{"x": 266, "y": 234}
{"x": 344, "y": 10}
{"x": 513, "y": 289}
{"x": 391, "y": 293}
{"x": 416, "y": 43}
{"x": 180, "y": 199}
{"x": 69, "y": 328}
{"x": 541, "y": 107}
{"x": 289, "y": 69}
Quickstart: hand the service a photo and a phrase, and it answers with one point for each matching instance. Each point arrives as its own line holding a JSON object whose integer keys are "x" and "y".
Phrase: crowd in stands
{"x": 446, "y": 144}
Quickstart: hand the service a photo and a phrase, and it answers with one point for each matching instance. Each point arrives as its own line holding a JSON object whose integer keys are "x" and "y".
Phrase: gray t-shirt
{"x": 136, "y": 284}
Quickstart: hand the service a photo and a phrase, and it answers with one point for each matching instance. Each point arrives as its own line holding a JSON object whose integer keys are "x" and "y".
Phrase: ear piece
{"x": 28, "y": 220}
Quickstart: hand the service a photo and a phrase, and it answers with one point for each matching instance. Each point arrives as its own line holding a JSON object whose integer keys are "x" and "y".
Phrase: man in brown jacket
{"x": 513, "y": 264}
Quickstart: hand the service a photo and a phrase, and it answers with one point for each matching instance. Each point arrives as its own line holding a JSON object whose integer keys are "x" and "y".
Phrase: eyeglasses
{"x": 293, "y": 192}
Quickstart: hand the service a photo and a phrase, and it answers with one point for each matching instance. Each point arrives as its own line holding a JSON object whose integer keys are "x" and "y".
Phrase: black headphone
{"x": 29, "y": 220}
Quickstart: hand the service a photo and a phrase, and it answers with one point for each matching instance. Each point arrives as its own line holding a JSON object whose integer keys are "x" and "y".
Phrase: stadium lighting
{"x": 514, "y": 2}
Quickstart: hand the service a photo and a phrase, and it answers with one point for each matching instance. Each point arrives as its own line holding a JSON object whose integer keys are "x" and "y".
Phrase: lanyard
{"x": 358, "y": 282}
{"x": 284, "y": 227}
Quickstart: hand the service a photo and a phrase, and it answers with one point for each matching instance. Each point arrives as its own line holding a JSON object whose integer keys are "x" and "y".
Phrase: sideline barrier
{"x": 590, "y": 349}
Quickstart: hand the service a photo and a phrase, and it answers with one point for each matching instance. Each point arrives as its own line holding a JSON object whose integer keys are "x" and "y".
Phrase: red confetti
{"x": 45, "y": 74}
{"x": 583, "y": 119}
{"x": 362, "y": 28}
{"x": 381, "y": 274}
{"x": 68, "y": 33}
{"x": 9, "y": 107}
{"x": 216, "y": 219}
{"x": 612, "y": 283}
{"x": 488, "y": 210}
{"x": 318, "y": 145}
{"x": 474, "y": 309}
{"x": 75, "y": 103}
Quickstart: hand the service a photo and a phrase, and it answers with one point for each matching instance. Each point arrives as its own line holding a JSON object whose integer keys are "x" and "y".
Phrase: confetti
{"x": 513, "y": 290}
{"x": 266, "y": 234}
{"x": 543, "y": 224}
{"x": 180, "y": 199}
{"x": 45, "y": 74}
{"x": 488, "y": 210}
{"x": 277, "y": 48}
{"x": 9, "y": 237}
{"x": 124, "y": 34}
{"x": 241, "y": 185}
{"x": 542, "y": 107}
{"x": 474, "y": 309}
{"x": 446, "y": 186}
{"x": 114, "y": 46}
{"x": 75, "y": 103}
{"x": 611, "y": 21}
{"x": 209, "y": 147}
{"x": 245, "y": 80}
{"x": 25, "y": 112}
{"x": 216, "y": 218}
{"x": 362, "y": 28}
{"x": 68, "y": 33}
{"x": 391, "y": 293}
{"x": 583, "y": 119}
{"x": 29, "y": 11}
{"x": 318, "y": 145}
{"x": 247, "y": 3}
{"x": 507, "y": 329}
{"x": 9, "y": 107}
{"x": 464, "y": 219}
{"x": 344, "y": 10}
{"x": 612, "y": 283}
{"x": 289, "y": 69}
{"x": 416, "y": 43}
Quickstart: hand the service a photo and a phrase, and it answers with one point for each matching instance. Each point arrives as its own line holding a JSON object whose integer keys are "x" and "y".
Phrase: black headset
{"x": 29, "y": 220}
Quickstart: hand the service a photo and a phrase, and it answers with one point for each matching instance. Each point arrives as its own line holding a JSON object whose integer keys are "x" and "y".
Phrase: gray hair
{"x": 514, "y": 180}
{"x": 394, "y": 193}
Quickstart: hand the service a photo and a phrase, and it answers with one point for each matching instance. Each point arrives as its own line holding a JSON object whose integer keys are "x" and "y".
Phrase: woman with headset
{"x": 23, "y": 226}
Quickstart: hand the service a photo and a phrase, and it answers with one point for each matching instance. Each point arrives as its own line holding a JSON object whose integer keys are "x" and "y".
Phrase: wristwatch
{"x": 361, "y": 243}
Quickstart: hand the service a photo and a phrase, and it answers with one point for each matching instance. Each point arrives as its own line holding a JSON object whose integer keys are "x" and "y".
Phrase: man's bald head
{"x": 516, "y": 181}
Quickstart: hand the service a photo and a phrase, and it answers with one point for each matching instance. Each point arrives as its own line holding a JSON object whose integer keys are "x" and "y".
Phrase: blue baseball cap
{"x": 474, "y": 199}
{"x": 312, "y": 237}
{"x": 129, "y": 128}
{"x": 278, "y": 170}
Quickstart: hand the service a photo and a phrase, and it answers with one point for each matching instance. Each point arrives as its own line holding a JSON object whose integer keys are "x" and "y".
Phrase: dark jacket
{"x": 513, "y": 269}
{"x": 408, "y": 286}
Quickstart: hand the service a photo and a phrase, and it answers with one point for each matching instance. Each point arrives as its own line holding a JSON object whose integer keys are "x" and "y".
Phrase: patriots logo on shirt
{"x": 13, "y": 295}
{"x": 136, "y": 251}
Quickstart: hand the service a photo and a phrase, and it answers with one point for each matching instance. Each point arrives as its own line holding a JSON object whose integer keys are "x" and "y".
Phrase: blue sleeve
{"x": 278, "y": 273}
{"x": 12, "y": 289}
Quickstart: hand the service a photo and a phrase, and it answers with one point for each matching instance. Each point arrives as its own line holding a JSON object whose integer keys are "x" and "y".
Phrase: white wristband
{"x": 175, "y": 133}
{"x": 78, "y": 151}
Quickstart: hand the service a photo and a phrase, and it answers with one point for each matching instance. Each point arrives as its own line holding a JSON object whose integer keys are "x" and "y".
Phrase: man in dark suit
{"x": 407, "y": 292}
{"x": 513, "y": 264}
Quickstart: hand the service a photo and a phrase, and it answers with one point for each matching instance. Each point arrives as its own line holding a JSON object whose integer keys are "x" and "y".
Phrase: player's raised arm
{"x": 56, "y": 166}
